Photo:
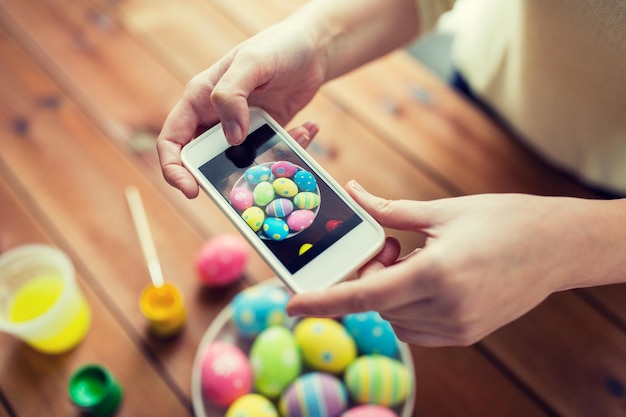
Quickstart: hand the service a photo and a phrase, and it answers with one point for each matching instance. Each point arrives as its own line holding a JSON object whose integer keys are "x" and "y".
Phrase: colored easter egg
{"x": 377, "y": 379}
{"x": 275, "y": 228}
{"x": 222, "y": 260}
{"x": 281, "y": 207}
{"x": 284, "y": 169}
{"x": 226, "y": 374}
{"x": 305, "y": 247}
{"x": 254, "y": 216}
{"x": 300, "y": 220}
{"x": 241, "y": 198}
{"x": 305, "y": 181}
{"x": 372, "y": 333}
{"x": 257, "y": 174}
{"x": 369, "y": 410}
{"x": 314, "y": 394}
{"x": 259, "y": 307}
{"x": 306, "y": 200}
{"x": 252, "y": 405}
{"x": 284, "y": 187}
{"x": 275, "y": 360}
{"x": 263, "y": 193}
{"x": 325, "y": 344}
{"x": 332, "y": 225}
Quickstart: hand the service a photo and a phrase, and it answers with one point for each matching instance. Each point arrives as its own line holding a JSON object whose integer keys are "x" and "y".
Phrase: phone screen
{"x": 291, "y": 209}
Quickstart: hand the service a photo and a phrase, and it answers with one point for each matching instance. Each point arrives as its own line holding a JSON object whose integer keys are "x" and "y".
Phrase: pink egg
{"x": 241, "y": 198}
{"x": 300, "y": 220}
{"x": 284, "y": 169}
{"x": 222, "y": 260}
{"x": 369, "y": 411}
{"x": 226, "y": 374}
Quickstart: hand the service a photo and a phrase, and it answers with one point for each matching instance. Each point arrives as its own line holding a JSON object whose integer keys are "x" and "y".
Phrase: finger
{"x": 425, "y": 339}
{"x": 381, "y": 290}
{"x": 230, "y": 98}
{"x": 417, "y": 216}
{"x": 387, "y": 256}
{"x": 304, "y": 134}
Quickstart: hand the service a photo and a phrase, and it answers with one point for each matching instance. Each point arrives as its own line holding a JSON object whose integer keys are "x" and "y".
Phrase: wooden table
{"x": 84, "y": 89}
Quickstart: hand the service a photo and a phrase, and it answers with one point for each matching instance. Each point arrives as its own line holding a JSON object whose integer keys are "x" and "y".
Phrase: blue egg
{"x": 259, "y": 307}
{"x": 275, "y": 228}
{"x": 305, "y": 181}
{"x": 257, "y": 174}
{"x": 372, "y": 333}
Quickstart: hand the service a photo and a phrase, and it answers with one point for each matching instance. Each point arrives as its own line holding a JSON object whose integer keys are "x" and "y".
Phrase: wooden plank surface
{"x": 84, "y": 88}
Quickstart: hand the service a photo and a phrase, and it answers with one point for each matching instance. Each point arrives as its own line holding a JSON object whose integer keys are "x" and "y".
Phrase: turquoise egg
{"x": 259, "y": 307}
{"x": 257, "y": 174}
{"x": 284, "y": 187}
{"x": 306, "y": 200}
{"x": 275, "y": 228}
{"x": 305, "y": 181}
{"x": 372, "y": 333}
{"x": 254, "y": 216}
{"x": 263, "y": 193}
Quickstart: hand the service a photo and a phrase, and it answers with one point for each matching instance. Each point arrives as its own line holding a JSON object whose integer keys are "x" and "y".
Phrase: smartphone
{"x": 294, "y": 214}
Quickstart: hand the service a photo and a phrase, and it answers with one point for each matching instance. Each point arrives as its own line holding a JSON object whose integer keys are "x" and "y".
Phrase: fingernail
{"x": 232, "y": 132}
{"x": 356, "y": 186}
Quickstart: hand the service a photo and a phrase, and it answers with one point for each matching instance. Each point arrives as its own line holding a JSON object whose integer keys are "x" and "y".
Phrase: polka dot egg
{"x": 275, "y": 228}
{"x": 325, "y": 344}
{"x": 252, "y": 405}
{"x": 226, "y": 374}
{"x": 257, "y": 174}
{"x": 259, "y": 307}
{"x": 276, "y": 361}
{"x": 372, "y": 333}
{"x": 254, "y": 217}
{"x": 305, "y": 181}
{"x": 284, "y": 169}
{"x": 285, "y": 187}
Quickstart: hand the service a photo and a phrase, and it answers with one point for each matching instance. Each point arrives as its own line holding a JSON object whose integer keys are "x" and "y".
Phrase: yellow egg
{"x": 285, "y": 187}
{"x": 252, "y": 405}
{"x": 254, "y": 216}
{"x": 325, "y": 344}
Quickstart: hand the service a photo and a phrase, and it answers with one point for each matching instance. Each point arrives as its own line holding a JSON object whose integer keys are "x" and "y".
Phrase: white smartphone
{"x": 304, "y": 225}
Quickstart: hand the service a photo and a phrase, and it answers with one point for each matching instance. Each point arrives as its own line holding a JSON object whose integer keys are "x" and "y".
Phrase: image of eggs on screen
{"x": 294, "y": 213}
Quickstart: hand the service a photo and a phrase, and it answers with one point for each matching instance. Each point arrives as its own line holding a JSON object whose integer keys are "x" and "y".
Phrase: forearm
{"x": 600, "y": 227}
{"x": 349, "y": 33}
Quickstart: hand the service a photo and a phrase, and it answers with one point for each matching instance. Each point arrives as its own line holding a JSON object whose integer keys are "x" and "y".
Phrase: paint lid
{"x": 95, "y": 391}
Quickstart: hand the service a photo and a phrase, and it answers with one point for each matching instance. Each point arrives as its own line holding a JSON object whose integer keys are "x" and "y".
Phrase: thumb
{"x": 395, "y": 214}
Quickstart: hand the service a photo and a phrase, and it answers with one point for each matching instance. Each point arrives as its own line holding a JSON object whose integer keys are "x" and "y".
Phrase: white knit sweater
{"x": 555, "y": 70}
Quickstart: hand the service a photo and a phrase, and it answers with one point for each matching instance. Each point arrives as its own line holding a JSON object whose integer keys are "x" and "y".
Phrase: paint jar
{"x": 40, "y": 301}
{"x": 163, "y": 307}
{"x": 95, "y": 391}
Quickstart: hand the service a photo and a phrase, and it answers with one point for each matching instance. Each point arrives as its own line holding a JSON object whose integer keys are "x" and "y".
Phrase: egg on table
{"x": 222, "y": 260}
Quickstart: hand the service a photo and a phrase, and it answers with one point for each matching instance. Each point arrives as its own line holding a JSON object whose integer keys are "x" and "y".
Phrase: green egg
{"x": 263, "y": 193}
{"x": 306, "y": 200}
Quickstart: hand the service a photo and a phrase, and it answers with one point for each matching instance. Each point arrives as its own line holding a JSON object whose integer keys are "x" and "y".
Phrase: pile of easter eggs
{"x": 276, "y": 199}
{"x": 315, "y": 367}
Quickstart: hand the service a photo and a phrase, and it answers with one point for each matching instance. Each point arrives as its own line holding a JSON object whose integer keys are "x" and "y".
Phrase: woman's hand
{"x": 488, "y": 259}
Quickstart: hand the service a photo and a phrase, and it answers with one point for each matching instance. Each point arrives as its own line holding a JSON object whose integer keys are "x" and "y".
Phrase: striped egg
{"x": 305, "y": 181}
{"x": 314, "y": 394}
{"x": 263, "y": 193}
{"x": 275, "y": 228}
{"x": 241, "y": 198}
{"x": 257, "y": 174}
{"x": 254, "y": 216}
{"x": 377, "y": 379}
{"x": 284, "y": 169}
{"x": 284, "y": 187}
{"x": 306, "y": 200}
{"x": 281, "y": 207}
{"x": 300, "y": 220}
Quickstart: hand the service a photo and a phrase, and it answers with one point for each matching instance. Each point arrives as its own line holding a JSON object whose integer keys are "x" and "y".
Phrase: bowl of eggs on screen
{"x": 277, "y": 199}
{"x": 255, "y": 361}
